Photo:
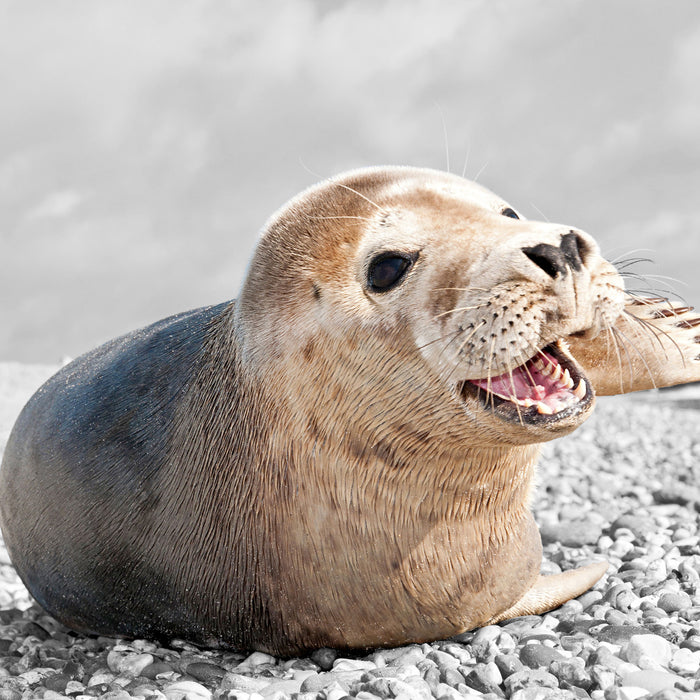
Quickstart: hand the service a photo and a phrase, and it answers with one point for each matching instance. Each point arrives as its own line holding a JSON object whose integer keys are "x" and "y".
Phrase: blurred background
{"x": 143, "y": 143}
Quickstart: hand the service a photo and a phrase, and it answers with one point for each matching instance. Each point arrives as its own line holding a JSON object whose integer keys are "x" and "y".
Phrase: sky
{"x": 144, "y": 143}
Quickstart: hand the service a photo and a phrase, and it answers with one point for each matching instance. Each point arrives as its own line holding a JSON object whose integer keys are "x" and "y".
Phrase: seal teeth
{"x": 567, "y": 380}
{"x": 544, "y": 409}
{"x": 556, "y": 372}
{"x": 580, "y": 390}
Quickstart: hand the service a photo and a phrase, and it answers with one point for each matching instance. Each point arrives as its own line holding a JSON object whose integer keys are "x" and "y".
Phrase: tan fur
{"x": 324, "y": 480}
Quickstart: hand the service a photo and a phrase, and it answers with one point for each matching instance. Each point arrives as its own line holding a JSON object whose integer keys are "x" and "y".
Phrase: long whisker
{"x": 458, "y": 308}
{"x": 444, "y": 134}
{"x": 614, "y": 339}
{"x": 359, "y": 194}
{"x": 489, "y": 377}
{"x": 442, "y": 337}
{"x": 624, "y": 264}
{"x": 323, "y": 218}
{"x": 466, "y": 161}
{"x": 481, "y": 170}
{"x": 512, "y": 386}
{"x": 468, "y": 338}
{"x": 660, "y": 332}
{"x": 639, "y": 353}
{"x": 634, "y": 251}
{"x": 455, "y": 359}
{"x": 540, "y": 212}
{"x": 620, "y": 336}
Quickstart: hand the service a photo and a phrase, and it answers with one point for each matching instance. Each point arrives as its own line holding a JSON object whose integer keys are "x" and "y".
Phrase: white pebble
{"x": 685, "y": 662}
{"x": 631, "y": 692}
{"x": 648, "y": 651}
{"x": 186, "y": 690}
{"x": 657, "y": 571}
{"x": 353, "y": 665}
{"x": 257, "y": 658}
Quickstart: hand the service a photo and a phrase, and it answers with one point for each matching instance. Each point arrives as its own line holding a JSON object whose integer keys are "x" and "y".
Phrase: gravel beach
{"x": 624, "y": 487}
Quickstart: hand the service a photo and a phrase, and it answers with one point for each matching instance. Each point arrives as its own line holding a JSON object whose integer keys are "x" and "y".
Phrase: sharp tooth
{"x": 567, "y": 380}
{"x": 543, "y": 408}
{"x": 556, "y": 373}
{"x": 546, "y": 369}
{"x": 580, "y": 390}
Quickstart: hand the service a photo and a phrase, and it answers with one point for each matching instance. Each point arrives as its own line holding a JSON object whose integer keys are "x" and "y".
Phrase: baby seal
{"x": 344, "y": 455}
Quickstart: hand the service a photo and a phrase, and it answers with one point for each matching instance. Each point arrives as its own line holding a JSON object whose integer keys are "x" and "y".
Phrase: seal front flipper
{"x": 654, "y": 343}
{"x": 550, "y": 592}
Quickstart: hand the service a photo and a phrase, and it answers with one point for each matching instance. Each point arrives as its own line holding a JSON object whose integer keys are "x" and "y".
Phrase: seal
{"x": 344, "y": 455}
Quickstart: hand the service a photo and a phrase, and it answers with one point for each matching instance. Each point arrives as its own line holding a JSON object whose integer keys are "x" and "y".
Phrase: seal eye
{"x": 387, "y": 269}
{"x": 510, "y": 213}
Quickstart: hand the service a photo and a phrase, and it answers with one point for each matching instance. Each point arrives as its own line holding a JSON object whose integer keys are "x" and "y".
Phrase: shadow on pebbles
{"x": 623, "y": 487}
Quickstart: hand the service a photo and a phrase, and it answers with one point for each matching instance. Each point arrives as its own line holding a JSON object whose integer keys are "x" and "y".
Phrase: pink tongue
{"x": 524, "y": 382}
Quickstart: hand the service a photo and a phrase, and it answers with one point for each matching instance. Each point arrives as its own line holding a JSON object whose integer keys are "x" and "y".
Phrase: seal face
{"x": 343, "y": 456}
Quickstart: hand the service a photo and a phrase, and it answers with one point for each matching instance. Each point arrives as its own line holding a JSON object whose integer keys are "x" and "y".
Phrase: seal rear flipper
{"x": 654, "y": 343}
{"x": 550, "y": 592}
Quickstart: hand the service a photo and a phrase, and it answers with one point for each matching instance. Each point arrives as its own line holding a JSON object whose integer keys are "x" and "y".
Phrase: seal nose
{"x": 555, "y": 260}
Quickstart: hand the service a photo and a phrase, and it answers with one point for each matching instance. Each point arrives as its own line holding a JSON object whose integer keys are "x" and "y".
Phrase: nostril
{"x": 575, "y": 249}
{"x": 548, "y": 258}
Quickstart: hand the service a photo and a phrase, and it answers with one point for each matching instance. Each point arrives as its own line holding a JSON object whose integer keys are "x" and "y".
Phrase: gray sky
{"x": 143, "y": 143}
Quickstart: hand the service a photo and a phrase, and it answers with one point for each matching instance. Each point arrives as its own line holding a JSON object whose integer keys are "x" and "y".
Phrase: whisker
{"x": 625, "y": 263}
{"x": 658, "y": 332}
{"x": 442, "y": 337}
{"x": 481, "y": 170}
{"x": 468, "y": 338}
{"x": 639, "y": 353}
{"x": 323, "y": 218}
{"x": 456, "y": 309}
{"x": 455, "y": 358}
{"x": 620, "y": 336}
{"x": 444, "y": 134}
{"x": 540, "y": 212}
{"x": 634, "y": 251}
{"x": 611, "y": 330}
{"x": 512, "y": 385}
{"x": 489, "y": 377}
{"x": 466, "y": 161}
{"x": 359, "y": 194}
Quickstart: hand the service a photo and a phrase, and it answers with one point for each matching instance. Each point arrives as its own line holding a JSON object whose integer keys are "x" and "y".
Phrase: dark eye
{"x": 509, "y": 212}
{"x": 387, "y": 269}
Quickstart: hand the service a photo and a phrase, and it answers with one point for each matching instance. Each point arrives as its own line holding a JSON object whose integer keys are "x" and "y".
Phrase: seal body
{"x": 343, "y": 456}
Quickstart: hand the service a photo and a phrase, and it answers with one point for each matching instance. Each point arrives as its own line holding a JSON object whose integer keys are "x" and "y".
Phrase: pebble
{"x": 483, "y": 680}
{"x": 648, "y": 651}
{"x": 529, "y": 677}
{"x": 571, "y": 533}
{"x": 675, "y": 601}
{"x": 508, "y": 664}
{"x": 186, "y": 690}
{"x": 353, "y": 665}
{"x": 539, "y": 655}
{"x": 685, "y": 662}
{"x": 651, "y": 681}
{"x": 483, "y": 645}
{"x": 324, "y": 657}
{"x": 205, "y": 672}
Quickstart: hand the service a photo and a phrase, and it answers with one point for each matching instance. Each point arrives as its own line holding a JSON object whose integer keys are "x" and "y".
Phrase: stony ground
{"x": 625, "y": 487}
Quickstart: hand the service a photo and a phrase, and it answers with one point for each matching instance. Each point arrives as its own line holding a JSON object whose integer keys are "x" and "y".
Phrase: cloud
{"x": 144, "y": 142}
{"x": 56, "y": 205}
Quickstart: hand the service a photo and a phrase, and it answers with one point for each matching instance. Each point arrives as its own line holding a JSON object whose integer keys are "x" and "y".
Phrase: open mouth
{"x": 548, "y": 387}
